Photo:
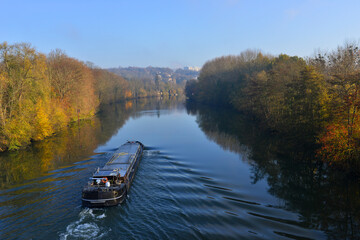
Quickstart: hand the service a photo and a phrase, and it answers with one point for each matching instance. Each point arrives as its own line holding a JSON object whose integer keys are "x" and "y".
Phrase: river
{"x": 205, "y": 174}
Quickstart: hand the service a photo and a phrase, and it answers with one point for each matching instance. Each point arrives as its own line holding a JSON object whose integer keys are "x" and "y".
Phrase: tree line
{"x": 40, "y": 94}
{"x": 316, "y": 98}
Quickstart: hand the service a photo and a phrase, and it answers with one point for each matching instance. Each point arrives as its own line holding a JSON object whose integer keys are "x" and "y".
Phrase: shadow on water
{"x": 325, "y": 200}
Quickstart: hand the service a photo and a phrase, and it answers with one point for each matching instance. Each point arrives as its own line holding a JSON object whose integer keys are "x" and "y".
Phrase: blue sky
{"x": 173, "y": 33}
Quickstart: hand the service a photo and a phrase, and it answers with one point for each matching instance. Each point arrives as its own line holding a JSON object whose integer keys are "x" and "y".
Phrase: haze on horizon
{"x": 177, "y": 34}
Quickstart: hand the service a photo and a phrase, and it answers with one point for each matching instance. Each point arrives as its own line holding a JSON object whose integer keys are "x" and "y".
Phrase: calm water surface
{"x": 205, "y": 174}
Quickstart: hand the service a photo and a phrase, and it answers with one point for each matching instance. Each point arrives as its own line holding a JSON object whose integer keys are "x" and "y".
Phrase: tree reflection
{"x": 325, "y": 200}
{"x": 74, "y": 143}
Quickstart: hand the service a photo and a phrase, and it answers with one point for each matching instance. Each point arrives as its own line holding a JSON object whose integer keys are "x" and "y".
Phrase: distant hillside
{"x": 163, "y": 74}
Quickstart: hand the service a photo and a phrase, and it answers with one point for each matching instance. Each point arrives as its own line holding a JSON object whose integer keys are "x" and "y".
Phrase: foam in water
{"x": 101, "y": 216}
{"x": 86, "y": 227}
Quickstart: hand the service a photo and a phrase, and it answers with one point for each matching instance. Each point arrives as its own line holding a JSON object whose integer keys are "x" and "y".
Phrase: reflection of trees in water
{"x": 228, "y": 142}
{"x": 74, "y": 143}
{"x": 325, "y": 200}
{"x": 68, "y": 146}
{"x": 211, "y": 123}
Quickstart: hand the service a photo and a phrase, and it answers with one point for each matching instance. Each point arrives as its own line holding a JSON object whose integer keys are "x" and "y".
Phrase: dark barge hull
{"x": 99, "y": 195}
{"x": 103, "y": 197}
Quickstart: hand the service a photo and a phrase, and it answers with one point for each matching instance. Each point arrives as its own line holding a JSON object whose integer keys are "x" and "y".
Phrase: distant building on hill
{"x": 197, "y": 69}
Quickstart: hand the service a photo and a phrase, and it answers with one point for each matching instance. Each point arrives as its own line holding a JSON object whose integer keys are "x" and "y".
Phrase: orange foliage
{"x": 337, "y": 144}
{"x": 128, "y": 94}
{"x": 128, "y": 105}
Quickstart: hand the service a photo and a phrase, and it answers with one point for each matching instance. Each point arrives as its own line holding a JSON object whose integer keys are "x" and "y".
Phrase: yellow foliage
{"x": 17, "y": 132}
{"x": 58, "y": 117}
{"x": 42, "y": 125}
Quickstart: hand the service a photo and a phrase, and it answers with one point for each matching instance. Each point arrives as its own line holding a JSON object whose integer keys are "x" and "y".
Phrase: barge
{"x": 109, "y": 185}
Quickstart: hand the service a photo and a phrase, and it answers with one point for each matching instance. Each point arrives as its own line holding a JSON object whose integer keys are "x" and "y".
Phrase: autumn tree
{"x": 341, "y": 138}
{"x": 23, "y": 84}
{"x": 72, "y": 84}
